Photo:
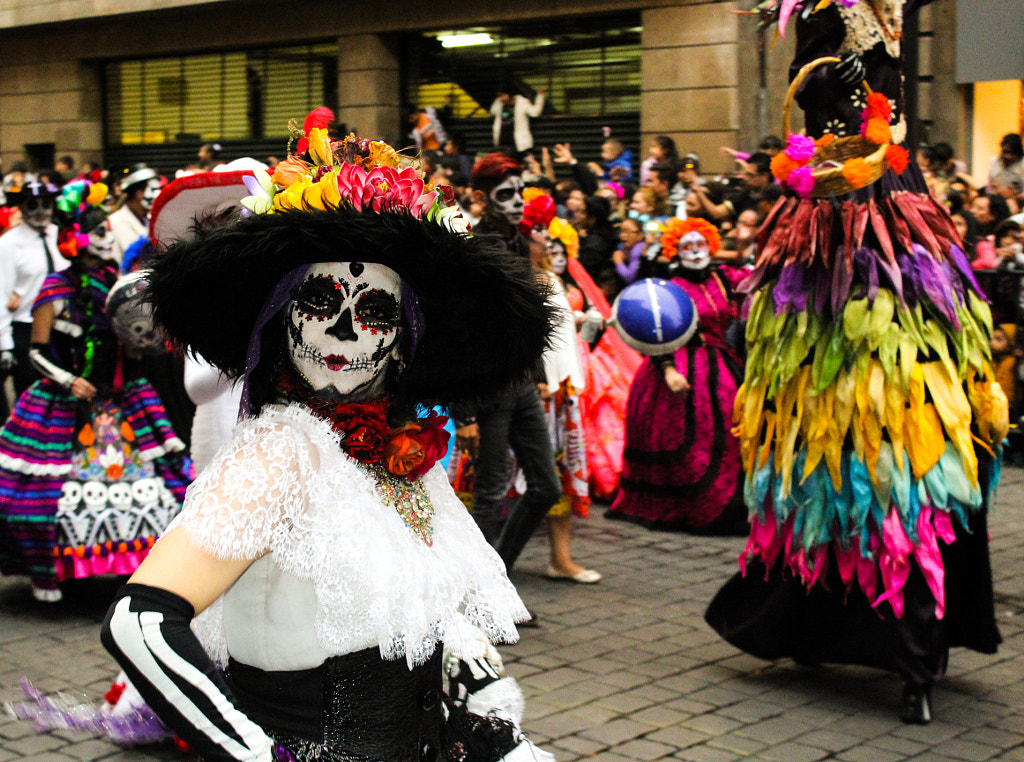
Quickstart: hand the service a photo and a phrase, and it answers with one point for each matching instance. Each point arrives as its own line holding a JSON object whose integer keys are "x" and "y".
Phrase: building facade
{"x": 88, "y": 79}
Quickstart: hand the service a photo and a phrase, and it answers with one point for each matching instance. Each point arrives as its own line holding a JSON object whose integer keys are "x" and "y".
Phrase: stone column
{"x": 369, "y": 98}
{"x": 58, "y": 102}
{"x": 690, "y": 79}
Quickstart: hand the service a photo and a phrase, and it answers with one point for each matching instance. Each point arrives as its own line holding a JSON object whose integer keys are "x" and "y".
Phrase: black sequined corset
{"x": 353, "y": 707}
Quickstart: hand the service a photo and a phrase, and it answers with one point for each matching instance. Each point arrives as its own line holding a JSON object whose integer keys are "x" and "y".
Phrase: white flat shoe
{"x": 585, "y": 577}
{"x": 46, "y": 596}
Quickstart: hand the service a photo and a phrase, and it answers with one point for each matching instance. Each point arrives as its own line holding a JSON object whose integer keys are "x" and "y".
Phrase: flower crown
{"x": 676, "y": 228}
{"x": 75, "y": 197}
{"x": 349, "y": 173}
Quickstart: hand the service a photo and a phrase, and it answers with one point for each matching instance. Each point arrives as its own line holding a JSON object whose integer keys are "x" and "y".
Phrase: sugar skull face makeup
{"x": 37, "y": 212}
{"x": 101, "y": 241}
{"x": 507, "y": 199}
{"x": 344, "y": 322}
{"x": 559, "y": 257}
{"x": 152, "y": 191}
{"x": 694, "y": 251}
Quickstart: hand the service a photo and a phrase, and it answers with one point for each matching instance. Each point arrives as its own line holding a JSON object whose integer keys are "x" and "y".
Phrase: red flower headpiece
{"x": 539, "y": 211}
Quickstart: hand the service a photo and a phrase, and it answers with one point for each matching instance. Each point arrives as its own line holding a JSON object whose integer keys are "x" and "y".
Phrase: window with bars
{"x": 588, "y": 67}
{"x": 241, "y": 95}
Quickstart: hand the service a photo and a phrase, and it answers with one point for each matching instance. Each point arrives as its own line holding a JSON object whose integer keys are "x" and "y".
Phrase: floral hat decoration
{"x": 540, "y": 209}
{"x": 676, "y": 228}
{"x": 474, "y": 317}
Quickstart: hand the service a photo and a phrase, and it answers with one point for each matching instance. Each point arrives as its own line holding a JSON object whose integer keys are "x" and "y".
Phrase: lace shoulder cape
{"x": 284, "y": 486}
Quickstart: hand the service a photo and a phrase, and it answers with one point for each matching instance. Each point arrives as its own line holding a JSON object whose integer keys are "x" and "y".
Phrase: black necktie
{"x": 49, "y": 256}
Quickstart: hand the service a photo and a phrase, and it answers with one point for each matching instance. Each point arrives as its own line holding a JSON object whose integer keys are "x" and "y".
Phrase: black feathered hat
{"x": 483, "y": 318}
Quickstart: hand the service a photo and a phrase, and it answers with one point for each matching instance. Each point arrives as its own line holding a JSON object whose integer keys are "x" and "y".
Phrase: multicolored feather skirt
{"x": 868, "y": 394}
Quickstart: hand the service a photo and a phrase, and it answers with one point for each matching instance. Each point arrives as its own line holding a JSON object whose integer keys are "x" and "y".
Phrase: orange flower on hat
{"x": 857, "y": 172}
{"x": 290, "y": 171}
{"x": 825, "y": 140}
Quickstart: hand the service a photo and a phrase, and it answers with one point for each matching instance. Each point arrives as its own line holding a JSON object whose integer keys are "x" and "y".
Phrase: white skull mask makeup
{"x": 559, "y": 257}
{"x": 507, "y": 199}
{"x": 37, "y": 212}
{"x": 344, "y": 322}
{"x": 101, "y": 241}
{"x": 152, "y": 191}
{"x": 694, "y": 251}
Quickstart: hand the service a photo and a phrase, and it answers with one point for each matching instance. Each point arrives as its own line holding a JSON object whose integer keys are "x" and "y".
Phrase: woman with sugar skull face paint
{"x": 92, "y": 429}
{"x": 682, "y": 468}
{"x": 325, "y": 512}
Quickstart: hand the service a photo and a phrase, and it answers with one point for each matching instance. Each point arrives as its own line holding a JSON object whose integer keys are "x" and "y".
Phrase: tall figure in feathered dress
{"x": 869, "y": 420}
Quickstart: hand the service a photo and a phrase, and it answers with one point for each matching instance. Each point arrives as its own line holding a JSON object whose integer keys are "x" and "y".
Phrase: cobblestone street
{"x": 626, "y": 669}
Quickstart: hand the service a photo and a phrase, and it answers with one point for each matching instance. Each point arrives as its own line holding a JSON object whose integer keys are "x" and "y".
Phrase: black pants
{"x": 516, "y": 421}
{"x": 24, "y": 374}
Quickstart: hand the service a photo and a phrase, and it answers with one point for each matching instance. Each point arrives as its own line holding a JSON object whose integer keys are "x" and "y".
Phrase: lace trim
{"x": 285, "y": 487}
{"x": 863, "y": 30}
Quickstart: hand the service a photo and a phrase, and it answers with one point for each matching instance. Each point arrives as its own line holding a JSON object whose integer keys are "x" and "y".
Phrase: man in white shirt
{"x": 28, "y": 253}
{"x": 140, "y": 186}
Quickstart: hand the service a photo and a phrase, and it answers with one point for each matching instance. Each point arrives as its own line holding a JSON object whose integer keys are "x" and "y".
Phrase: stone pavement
{"x": 627, "y": 669}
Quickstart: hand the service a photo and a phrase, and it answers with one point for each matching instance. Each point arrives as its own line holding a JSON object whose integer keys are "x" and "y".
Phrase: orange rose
{"x": 114, "y": 471}
{"x": 404, "y": 450}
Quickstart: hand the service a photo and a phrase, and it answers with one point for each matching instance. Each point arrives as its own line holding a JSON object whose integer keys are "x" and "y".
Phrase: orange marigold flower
{"x": 825, "y": 140}
{"x": 782, "y": 165}
{"x": 878, "y": 106}
{"x": 857, "y": 172}
{"x": 897, "y": 157}
{"x": 878, "y": 131}
{"x": 86, "y": 436}
{"x": 114, "y": 471}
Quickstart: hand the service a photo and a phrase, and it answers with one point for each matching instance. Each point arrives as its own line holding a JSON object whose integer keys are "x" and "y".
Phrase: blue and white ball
{"x": 654, "y": 316}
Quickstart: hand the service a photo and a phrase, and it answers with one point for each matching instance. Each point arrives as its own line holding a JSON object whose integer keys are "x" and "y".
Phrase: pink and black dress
{"x": 681, "y": 468}
{"x": 86, "y": 487}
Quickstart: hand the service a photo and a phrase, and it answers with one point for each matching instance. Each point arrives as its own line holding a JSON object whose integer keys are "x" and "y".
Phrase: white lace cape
{"x": 283, "y": 485}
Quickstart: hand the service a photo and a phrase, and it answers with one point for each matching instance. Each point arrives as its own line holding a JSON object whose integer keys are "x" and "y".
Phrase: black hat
{"x": 485, "y": 320}
{"x": 34, "y": 189}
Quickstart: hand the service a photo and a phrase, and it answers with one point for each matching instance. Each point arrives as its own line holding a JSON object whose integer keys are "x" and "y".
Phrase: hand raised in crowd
{"x": 563, "y": 153}
{"x": 545, "y": 393}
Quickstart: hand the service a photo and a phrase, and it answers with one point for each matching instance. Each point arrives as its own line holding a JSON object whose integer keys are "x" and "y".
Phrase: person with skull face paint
{"x": 330, "y": 559}
{"x": 682, "y": 468}
{"x": 140, "y": 187}
{"x": 516, "y": 420}
{"x": 90, "y": 469}
{"x": 28, "y": 253}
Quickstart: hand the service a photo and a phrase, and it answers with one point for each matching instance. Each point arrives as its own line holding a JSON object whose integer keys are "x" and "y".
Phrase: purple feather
{"x": 842, "y": 278}
{"x": 867, "y": 267}
{"x": 909, "y": 273}
{"x": 822, "y": 279}
{"x": 934, "y": 283}
{"x": 964, "y": 268}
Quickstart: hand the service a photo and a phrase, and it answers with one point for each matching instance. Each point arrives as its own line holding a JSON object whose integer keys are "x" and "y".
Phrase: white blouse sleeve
{"x": 245, "y": 502}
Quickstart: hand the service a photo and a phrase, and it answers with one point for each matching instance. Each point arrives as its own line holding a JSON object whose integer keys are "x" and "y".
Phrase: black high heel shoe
{"x": 917, "y": 704}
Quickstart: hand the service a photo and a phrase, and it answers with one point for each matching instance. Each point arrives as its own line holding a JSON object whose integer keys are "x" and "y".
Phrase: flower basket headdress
{"x": 475, "y": 318}
{"x": 79, "y": 212}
